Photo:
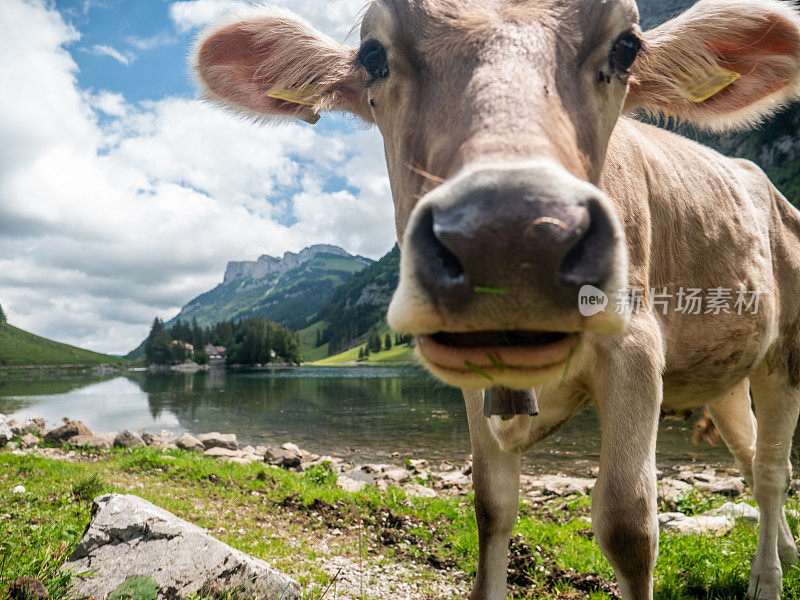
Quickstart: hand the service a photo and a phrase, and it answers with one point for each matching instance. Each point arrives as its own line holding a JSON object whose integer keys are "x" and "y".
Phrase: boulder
{"x": 348, "y": 484}
{"x": 91, "y": 441}
{"x": 730, "y": 486}
{"x": 670, "y": 490}
{"x": 218, "y": 440}
{"x": 5, "y": 434}
{"x": 698, "y": 524}
{"x": 737, "y": 510}
{"x": 127, "y": 439}
{"x": 419, "y": 491}
{"x": 288, "y": 459}
{"x": 67, "y": 431}
{"x": 188, "y": 442}
{"x": 223, "y": 452}
{"x": 151, "y": 440}
{"x": 129, "y": 536}
{"x": 28, "y": 440}
{"x": 27, "y": 426}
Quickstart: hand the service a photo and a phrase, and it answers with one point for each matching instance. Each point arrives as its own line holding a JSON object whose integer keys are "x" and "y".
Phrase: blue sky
{"x": 122, "y": 196}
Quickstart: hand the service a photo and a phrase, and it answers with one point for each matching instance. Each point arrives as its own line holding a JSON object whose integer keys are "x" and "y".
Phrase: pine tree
{"x": 2, "y": 316}
{"x": 387, "y": 342}
{"x": 360, "y": 353}
{"x": 366, "y": 351}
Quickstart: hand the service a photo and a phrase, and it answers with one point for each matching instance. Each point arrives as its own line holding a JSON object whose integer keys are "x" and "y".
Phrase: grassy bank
{"x": 305, "y": 525}
{"x": 19, "y": 348}
{"x": 397, "y": 354}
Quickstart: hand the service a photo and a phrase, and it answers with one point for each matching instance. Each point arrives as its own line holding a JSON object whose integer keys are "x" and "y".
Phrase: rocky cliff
{"x": 269, "y": 265}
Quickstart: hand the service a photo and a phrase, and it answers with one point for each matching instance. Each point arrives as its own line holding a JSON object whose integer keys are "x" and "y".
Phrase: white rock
{"x": 348, "y": 484}
{"x": 736, "y": 510}
{"x": 699, "y": 524}
{"x": 419, "y": 491}
{"x": 130, "y": 536}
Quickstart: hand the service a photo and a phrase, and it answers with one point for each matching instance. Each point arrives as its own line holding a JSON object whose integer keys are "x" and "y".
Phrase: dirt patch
{"x": 529, "y": 570}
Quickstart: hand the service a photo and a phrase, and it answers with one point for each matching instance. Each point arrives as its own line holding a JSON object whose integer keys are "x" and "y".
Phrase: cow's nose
{"x": 502, "y": 241}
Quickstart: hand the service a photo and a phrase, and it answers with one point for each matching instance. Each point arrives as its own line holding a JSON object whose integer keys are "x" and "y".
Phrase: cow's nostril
{"x": 440, "y": 271}
{"x": 590, "y": 260}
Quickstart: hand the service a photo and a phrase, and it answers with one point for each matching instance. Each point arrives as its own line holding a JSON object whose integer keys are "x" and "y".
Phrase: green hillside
{"x": 398, "y": 354}
{"x": 359, "y": 306}
{"x": 288, "y": 298}
{"x": 20, "y": 348}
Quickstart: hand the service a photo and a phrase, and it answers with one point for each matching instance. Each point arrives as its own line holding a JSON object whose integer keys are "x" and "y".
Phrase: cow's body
{"x": 516, "y": 183}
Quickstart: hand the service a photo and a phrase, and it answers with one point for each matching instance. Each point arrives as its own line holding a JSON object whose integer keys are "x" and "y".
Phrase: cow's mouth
{"x": 487, "y": 352}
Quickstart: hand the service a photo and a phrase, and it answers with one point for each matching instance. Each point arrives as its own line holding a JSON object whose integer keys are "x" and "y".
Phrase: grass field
{"x": 398, "y": 354}
{"x": 20, "y": 348}
{"x": 300, "y": 522}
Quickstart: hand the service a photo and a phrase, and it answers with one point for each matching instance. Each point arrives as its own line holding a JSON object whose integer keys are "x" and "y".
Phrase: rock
{"x": 730, "y": 486}
{"x": 28, "y": 426}
{"x": 418, "y": 466}
{"x": 127, "y": 439}
{"x": 19, "y": 490}
{"x": 151, "y": 440}
{"x": 348, "y": 484}
{"x": 28, "y": 440}
{"x": 558, "y": 485}
{"x": 129, "y": 536}
{"x": 396, "y": 476}
{"x": 188, "y": 442}
{"x": 419, "y": 491}
{"x": 452, "y": 480}
{"x": 698, "y": 524}
{"x": 218, "y": 440}
{"x": 6, "y": 435}
{"x": 248, "y": 450}
{"x": 91, "y": 441}
{"x": 28, "y": 588}
{"x": 165, "y": 433}
{"x": 293, "y": 448}
{"x": 261, "y": 450}
{"x": 222, "y": 453}
{"x": 735, "y": 511}
{"x": 67, "y": 431}
{"x": 670, "y": 490}
{"x": 288, "y": 459}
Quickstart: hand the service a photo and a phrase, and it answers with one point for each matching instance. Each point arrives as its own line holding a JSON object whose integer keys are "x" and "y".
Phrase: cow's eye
{"x": 372, "y": 57}
{"x": 625, "y": 51}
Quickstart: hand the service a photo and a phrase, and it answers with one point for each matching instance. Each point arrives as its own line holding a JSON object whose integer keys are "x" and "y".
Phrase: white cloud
{"x": 162, "y": 38}
{"x": 103, "y": 50}
{"x": 334, "y": 17}
{"x": 113, "y": 212}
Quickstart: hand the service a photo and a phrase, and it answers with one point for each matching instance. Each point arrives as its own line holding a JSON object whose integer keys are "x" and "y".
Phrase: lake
{"x": 366, "y": 413}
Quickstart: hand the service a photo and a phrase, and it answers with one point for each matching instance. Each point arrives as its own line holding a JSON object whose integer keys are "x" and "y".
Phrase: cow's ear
{"x": 270, "y": 63}
{"x": 723, "y": 64}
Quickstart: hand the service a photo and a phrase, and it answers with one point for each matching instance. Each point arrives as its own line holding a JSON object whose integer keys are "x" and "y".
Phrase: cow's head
{"x": 496, "y": 117}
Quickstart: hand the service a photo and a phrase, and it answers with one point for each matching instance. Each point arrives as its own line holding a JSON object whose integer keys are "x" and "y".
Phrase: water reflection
{"x": 369, "y": 412}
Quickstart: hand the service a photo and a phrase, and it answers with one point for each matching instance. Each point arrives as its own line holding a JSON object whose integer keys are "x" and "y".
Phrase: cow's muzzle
{"x": 493, "y": 266}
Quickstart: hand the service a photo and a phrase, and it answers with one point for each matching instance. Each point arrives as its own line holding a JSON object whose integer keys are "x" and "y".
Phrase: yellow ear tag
{"x": 301, "y": 96}
{"x": 704, "y": 87}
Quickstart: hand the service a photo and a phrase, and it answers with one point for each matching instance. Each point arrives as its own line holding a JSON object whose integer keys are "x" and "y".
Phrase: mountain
{"x": 358, "y": 306}
{"x": 286, "y": 290}
{"x": 20, "y": 348}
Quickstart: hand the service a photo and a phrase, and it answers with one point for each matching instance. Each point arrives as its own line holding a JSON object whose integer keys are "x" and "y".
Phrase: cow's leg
{"x": 495, "y": 477}
{"x": 777, "y": 404}
{"x": 627, "y": 392}
{"x": 733, "y": 417}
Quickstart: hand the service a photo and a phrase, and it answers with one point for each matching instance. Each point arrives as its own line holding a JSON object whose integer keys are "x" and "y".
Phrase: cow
{"x": 530, "y": 207}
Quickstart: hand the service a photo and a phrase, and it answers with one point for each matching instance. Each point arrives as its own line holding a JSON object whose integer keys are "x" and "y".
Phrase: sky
{"x": 123, "y": 196}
